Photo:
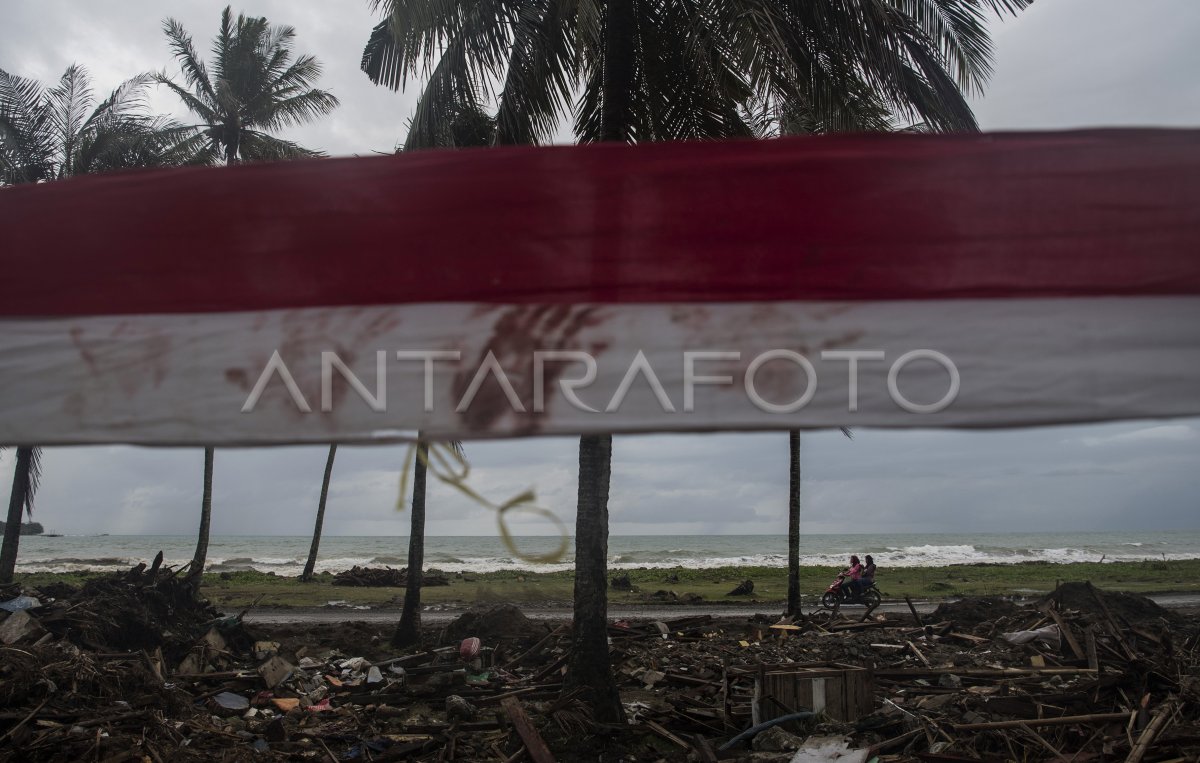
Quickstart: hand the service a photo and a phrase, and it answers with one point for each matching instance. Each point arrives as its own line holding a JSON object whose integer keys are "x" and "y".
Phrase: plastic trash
{"x": 829, "y": 750}
{"x": 1048, "y": 635}
{"x": 469, "y": 648}
{"x": 230, "y": 701}
{"x": 353, "y": 663}
{"x": 19, "y": 603}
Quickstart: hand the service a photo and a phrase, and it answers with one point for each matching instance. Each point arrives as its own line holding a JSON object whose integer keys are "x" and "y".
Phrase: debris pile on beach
{"x": 386, "y": 577}
{"x": 1082, "y": 674}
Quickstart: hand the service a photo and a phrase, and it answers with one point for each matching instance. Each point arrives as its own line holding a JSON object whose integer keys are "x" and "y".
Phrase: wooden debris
{"x": 386, "y": 577}
{"x": 943, "y": 689}
{"x": 534, "y": 744}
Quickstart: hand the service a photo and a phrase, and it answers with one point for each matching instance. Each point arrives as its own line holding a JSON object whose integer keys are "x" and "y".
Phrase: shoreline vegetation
{"x": 654, "y": 586}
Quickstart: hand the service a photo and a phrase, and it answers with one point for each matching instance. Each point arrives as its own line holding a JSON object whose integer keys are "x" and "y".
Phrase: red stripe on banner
{"x": 834, "y": 218}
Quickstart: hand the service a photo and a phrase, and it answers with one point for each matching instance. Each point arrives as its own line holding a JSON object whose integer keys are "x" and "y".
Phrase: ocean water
{"x": 285, "y": 555}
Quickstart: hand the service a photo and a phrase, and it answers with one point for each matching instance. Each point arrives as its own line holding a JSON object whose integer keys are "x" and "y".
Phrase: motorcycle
{"x": 839, "y": 594}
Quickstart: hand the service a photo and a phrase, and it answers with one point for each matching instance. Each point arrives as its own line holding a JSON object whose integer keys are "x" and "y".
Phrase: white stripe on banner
{"x": 192, "y": 379}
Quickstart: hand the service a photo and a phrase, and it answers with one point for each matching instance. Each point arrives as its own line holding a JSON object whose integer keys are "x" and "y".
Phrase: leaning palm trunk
{"x": 201, "y": 555}
{"x": 793, "y": 594}
{"x": 408, "y": 631}
{"x": 21, "y": 500}
{"x": 311, "y": 564}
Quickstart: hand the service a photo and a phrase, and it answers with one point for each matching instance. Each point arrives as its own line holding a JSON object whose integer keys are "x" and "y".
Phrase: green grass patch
{"x": 241, "y": 589}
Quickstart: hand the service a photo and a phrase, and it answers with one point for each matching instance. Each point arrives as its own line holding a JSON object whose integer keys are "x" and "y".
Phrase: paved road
{"x": 336, "y": 615}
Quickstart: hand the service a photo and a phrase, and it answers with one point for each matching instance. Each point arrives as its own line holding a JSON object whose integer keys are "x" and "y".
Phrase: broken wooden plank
{"x": 1063, "y": 720}
{"x": 667, "y": 735}
{"x": 856, "y": 626}
{"x": 924, "y": 660}
{"x": 980, "y": 672}
{"x": 1090, "y": 638}
{"x": 1066, "y": 631}
{"x": 534, "y": 744}
{"x": 912, "y": 608}
{"x": 783, "y": 629}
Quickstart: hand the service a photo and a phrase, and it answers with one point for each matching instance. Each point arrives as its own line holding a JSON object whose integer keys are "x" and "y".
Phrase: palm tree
{"x": 311, "y": 564}
{"x": 26, "y": 476}
{"x": 255, "y": 89}
{"x": 61, "y": 132}
{"x": 58, "y": 133}
{"x": 668, "y": 71}
{"x": 201, "y": 555}
{"x": 694, "y": 68}
{"x": 408, "y": 630}
{"x": 793, "y": 594}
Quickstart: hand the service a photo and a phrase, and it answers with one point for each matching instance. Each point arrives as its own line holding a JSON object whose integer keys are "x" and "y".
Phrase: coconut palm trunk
{"x": 201, "y": 555}
{"x": 590, "y": 668}
{"x": 20, "y": 501}
{"x": 311, "y": 564}
{"x": 408, "y": 630}
{"x": 793, "y": 594}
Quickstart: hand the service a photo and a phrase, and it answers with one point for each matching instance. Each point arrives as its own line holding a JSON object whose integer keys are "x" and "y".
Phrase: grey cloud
{"x": 1062, "y": 64}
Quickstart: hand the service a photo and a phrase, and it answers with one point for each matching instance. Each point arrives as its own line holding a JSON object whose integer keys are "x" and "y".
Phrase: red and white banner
{"x": 888, "y": 281}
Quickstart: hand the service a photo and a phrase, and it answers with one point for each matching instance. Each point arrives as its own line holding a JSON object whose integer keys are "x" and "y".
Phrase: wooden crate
{"x": 842, "y": 692}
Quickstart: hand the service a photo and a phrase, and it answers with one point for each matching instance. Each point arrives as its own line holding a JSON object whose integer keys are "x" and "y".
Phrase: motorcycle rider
{"x": 851, "y": 575}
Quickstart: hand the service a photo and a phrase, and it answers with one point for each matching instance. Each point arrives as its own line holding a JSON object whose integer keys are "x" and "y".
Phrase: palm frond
{"x": 123, "y": 103}
{"x": 466, "y": 44}
{"x": 543, "y": 69}
{"x": 33, "y": 479}
{"x": 296, "y": 110}
{"x": 260, "y": 147}
{"x": 960, "y": 32}
{"x": 198, "y": 107}
{"x": 26, "y": 139}
{"x": 382, "y": 58}
{"x": 69, "y": 102}
{"x": 194, "y": 72}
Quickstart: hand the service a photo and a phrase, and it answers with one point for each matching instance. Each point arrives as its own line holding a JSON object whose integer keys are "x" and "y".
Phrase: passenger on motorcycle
{"x": 867, "y": 577}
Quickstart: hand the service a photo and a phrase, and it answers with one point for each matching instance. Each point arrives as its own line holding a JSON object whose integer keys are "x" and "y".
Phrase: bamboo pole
{"x": 1064, "y": 720}
{"x": 1146, "y": 738}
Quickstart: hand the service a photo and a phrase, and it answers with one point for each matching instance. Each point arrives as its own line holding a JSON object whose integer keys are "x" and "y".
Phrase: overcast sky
{"x": 1062, "y": 64}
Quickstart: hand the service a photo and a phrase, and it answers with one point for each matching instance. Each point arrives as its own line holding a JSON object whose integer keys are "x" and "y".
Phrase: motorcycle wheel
{"x": 829, "y": 600}
{"x": 871, "y": 598}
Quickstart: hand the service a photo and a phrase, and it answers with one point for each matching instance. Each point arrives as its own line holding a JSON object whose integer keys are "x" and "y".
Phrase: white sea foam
{"x": 286, "y": 555}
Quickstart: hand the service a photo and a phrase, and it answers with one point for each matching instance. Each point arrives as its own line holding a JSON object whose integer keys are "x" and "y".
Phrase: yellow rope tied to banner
{"x": 449, "y": 465}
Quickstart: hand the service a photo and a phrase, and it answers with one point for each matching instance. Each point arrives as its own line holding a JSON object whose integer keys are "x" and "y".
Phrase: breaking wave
{"x": 286, "y": 555}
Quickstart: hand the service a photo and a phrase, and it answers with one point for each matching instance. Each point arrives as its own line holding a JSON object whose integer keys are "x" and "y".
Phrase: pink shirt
{"x": 855, "y": 572}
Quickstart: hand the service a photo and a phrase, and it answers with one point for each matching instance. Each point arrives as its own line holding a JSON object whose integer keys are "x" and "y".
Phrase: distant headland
{"x": 27, "y": 528}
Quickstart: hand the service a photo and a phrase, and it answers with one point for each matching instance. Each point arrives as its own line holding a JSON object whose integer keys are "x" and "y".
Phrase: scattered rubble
{"x": 386, "y": 577}
{"x": 497, "y": 623}
{"x": 974, "y": 610}
{"x": 622, "y": 582}
{"x": 78, "y": 681}
{"x": 744, "y": 588}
